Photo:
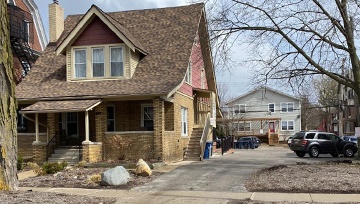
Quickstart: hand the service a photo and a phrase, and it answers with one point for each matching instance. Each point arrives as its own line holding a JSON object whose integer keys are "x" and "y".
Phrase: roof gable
{"x": 260, "y": 89}
{"x": 120, "y": 31}
{"x": 97, "y": 32}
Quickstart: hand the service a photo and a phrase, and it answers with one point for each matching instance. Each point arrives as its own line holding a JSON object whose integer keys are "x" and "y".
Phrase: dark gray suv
{"x": 316, "y": 143}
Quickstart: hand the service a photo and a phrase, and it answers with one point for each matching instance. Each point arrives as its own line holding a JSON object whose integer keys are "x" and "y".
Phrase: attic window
{"x": 98, "y": 62}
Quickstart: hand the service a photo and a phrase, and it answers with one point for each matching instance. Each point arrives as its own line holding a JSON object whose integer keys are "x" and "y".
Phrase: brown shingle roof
{"x": 60, "y": 106}
{"x": 167, "y": 34}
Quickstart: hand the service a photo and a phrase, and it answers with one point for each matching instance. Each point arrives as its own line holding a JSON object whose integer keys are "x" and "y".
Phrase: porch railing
{"x": 51, "y": 146}
{"x": 204, "y": 135}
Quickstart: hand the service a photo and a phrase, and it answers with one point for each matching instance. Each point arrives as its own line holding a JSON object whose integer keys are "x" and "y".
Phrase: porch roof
{"x": 61, "y": 106}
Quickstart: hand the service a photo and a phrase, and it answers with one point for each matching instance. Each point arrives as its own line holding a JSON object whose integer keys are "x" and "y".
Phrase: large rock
{"x": 142, "y": 169}
{"x": 115, "y": 177}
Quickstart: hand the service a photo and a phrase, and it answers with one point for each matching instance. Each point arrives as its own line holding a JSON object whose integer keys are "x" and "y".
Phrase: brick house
{"x": 121, "y": 85}
{"x": 27, "y": 35}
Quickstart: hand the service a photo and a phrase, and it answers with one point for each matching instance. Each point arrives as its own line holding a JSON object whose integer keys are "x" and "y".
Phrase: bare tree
{"x": 8, "y": 141}
{"x": 293, "y": 39}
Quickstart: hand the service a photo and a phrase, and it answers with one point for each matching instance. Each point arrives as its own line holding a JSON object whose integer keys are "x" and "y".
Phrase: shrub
{"x": 96, "y": 178}
{"x": 36, "y": 168}
{"x": 20, "y": 163}
{"x": 81, "y": 164}
{"x": 51, "y": 168}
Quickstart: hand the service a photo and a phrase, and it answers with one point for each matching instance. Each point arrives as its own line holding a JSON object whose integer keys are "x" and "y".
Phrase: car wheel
{"x": 314, "y": 152}
{"x": 349, "y": 152}
{"x": 334, "y": 154}
{"x": 300, "y": 154}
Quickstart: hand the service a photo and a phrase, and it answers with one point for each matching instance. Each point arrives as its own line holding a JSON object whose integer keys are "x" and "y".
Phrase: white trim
{"x": 184, "y": 121}
{"x": 74, "y": 61}
{"x": 269, "y": 107}
{"x": 39, "y": 26}
{"x": 287, "y": 125}
{"x": 287, "y": 107}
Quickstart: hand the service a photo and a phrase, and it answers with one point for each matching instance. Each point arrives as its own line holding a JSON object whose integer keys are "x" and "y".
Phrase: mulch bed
{"x": 78, "y": 177}
{"x": 328, "y": 177}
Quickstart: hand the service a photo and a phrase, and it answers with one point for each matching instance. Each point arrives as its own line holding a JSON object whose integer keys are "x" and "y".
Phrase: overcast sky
{"x": 237, "y": 79}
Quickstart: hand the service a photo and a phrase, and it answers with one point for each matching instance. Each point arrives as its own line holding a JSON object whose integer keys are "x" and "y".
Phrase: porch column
{"x": 36, "y": 127}
{"x": 159, "y": 129}
{"x": 87, "y": 126}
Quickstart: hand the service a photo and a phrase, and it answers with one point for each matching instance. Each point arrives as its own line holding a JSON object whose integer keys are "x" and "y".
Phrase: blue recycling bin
{"x": 208, "y": 150}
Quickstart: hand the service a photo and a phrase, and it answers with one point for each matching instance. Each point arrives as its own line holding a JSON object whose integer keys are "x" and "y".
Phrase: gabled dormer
{"x": 99, "y": 48}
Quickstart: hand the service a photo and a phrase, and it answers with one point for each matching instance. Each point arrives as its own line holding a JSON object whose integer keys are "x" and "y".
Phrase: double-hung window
{"x": 111, "y": 118}
{"x": 271, "y": 107}
{"x": 188, "y": 74}
{"x": 116, "y": 61}
{"x": 287, "y": 107}
{"x": 184, "y": 121}
{"x": 98, "y": 66}
{"x": 80, "y": 63}
{"x": 287, "y": 125}
{"x": 147, "y": 117}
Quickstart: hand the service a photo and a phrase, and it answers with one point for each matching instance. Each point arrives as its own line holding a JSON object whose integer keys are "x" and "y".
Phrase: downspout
{"x": 47, "y": 129}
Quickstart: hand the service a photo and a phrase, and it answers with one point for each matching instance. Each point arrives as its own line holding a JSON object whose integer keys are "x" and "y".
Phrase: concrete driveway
{"x": 226, "y": 173}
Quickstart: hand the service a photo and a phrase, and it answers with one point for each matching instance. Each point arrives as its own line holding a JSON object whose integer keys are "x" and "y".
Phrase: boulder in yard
{"x": 115, "y": 177}
{"x": 142, "y": 168}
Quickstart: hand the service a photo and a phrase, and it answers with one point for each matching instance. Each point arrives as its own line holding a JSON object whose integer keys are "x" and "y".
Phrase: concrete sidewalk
{"x": 128, "y": 196}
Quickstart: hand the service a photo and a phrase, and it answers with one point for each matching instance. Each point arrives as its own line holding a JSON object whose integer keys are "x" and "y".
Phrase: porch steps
{"x": 193, "y": 150}
{"x": 68, "y": 154}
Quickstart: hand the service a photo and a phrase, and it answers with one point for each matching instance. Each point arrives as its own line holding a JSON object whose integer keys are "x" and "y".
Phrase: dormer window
{"x": 98, "y": 62}
{"x": 105, "y": 62}
{"x": 80, "y": 63}
{"x": 116, "y": 61}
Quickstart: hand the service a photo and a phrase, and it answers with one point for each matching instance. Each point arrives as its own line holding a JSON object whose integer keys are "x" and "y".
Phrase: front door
{"x": 272, "y": 127}
{"x": 68, "y": 122}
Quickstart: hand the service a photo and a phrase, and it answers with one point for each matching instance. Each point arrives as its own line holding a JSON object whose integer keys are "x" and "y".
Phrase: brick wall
{"x": 56, "y": 21}
{"x": 39, "y": 152}
{"x": 100, "y": 122}
{"x": 25, "y": 140}
{"x": 129, "y": 146}
{"x": 92, "y": 152}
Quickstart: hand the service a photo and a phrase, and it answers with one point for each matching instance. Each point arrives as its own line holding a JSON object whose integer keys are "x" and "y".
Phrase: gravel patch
{"x": 328, "y": 177}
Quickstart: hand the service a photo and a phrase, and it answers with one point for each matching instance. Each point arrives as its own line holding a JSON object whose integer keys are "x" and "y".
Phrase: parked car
{"x": 253, "y": 139}
{"x": 315, "y": 143}
{"x": 351, "y": 138}
{"x": 289, "y": 140}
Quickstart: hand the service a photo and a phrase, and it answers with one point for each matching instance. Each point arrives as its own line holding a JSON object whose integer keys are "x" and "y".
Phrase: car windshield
{"x": 299, "y": 135}
{"x": 245, "y": 138}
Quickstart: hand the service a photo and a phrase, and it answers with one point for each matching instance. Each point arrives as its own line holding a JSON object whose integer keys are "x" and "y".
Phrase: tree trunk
{"x": 8, "y": 131}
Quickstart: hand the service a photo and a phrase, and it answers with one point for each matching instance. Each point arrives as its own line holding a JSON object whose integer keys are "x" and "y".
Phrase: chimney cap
{"x": 56, "y": 1}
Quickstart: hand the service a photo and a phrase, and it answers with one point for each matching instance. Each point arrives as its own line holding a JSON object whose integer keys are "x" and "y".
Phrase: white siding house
{"x": 264, "y": 111}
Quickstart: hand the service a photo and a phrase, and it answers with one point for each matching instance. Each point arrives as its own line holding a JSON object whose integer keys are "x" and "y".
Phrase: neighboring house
{"x": 343, "y": 119}
{"x": 263, "y": 112}
{"x": 121, "y": 85}
{"x": 27, "y": 35}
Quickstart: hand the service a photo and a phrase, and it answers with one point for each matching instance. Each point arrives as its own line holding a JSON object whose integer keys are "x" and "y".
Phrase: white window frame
{"x": 123, "y": 64}
{"x": 147, "y": 105}
{"x": 188, "y": 76}
{"x": 27, "y": 31}
{"x": 269, "y": 107}
{"x": 244, "y": 105}
{"x": 92, "y": 61}
{"x": 74, "y": 64}
{"x": 287, "y": 107}
{"x": 184, "y": 122}
{"x": 287, "y": 125}
{"x": 89, "y": 62}
{"x": 114, "y": 119}
{"x": 247, "y": 124}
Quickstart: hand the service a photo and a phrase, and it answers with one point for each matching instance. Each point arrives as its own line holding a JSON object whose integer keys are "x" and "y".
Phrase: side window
{"x": 322, "y": 136}
{"x": 332, "y": 137}
{"x": 310, "y": 136}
